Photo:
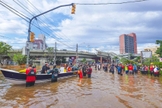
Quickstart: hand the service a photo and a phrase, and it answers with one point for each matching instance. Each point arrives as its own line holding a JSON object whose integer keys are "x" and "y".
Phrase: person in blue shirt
{"x": 119, "y": 68}
{"x": 135, "y": 69}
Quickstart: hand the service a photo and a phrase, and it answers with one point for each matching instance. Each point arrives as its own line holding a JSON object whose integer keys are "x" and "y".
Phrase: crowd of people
{"x": 129, "y": 69}
{"x": 82, "y": 71}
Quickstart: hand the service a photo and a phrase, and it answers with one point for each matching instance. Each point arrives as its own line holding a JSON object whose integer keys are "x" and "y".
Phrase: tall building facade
{"x": 128, "y": 43}
{"x": 40, "y": 43}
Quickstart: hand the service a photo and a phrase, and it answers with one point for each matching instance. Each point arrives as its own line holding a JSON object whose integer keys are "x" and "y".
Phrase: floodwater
{"x": 103, "y": 90}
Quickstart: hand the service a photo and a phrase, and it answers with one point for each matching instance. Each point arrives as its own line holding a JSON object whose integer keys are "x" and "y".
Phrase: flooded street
{"x": 103, "y": 90}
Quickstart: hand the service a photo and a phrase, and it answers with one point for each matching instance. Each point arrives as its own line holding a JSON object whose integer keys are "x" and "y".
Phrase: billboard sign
{"x": 146, "y": 54}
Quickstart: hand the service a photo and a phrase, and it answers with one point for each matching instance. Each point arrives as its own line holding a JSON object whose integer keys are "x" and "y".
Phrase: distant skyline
{"x": 91, "y": 27}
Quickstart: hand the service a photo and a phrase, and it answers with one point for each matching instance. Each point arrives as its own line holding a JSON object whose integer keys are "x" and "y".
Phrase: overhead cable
{"x": 111, "y": 3}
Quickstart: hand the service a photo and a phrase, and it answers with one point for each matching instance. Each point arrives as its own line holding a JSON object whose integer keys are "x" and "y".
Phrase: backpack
{"x": 31, "y": 72}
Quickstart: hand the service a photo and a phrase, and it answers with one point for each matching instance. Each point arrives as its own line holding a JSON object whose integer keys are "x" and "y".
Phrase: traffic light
{"x": 32, "y": 37}
{"x": 73, "y": 9}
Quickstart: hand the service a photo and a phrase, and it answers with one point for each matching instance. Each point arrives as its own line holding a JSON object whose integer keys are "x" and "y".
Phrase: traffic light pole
{"x": 55, "y": 54}
{"x": 28, "y": 40}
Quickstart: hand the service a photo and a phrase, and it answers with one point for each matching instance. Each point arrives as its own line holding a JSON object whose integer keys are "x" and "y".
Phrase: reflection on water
{"x": 103, "y": 90}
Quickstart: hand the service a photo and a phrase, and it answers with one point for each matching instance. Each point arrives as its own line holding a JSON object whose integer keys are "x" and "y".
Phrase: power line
{"x": 58, "y": 36}
{"x": 111, "y": 3}
{"x": 22, "y": 6}
{"x": 12, "y": 9}
{"x": 47, "y": 18}
{"x": 17, "y": 13}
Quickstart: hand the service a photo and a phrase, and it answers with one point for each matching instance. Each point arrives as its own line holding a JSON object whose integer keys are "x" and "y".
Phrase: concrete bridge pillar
{"x": 100, "y": 59}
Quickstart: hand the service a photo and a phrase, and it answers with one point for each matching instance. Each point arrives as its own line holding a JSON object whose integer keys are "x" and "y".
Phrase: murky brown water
{"x": 103, "y": 90}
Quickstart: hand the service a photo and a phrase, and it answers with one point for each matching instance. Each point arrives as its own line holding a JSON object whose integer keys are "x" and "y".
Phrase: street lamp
{"x": 28, "y": 43}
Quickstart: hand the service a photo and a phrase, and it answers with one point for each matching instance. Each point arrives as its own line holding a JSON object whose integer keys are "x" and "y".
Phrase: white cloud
{"x": 97, "y": 26}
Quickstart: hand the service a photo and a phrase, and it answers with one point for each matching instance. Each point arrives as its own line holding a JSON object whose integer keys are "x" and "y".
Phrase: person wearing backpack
{"x": 55, "y": 73}
{"x": 30, "y": 76}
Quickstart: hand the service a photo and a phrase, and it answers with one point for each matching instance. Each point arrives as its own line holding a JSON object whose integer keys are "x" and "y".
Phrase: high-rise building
{"x": 128, "y": 43}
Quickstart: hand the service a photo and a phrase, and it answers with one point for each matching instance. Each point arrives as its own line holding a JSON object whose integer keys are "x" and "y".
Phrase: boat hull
{"x": 15, "y": 77}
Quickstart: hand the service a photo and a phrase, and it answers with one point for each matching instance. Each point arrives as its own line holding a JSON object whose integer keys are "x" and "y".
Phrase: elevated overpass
{"x": 61, "y": 53}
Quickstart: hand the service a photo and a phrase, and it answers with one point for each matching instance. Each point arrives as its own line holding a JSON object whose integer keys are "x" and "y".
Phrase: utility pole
{"x": 28, "y": 43}
{"x": 54, "y": 59}
{"x": 77, "y": 54}
{"x": 141, "y": 58}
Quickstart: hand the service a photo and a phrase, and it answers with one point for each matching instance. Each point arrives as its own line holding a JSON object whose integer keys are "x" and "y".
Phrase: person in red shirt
{"x": 30, "y": 76}
{"x": 89, "y": 71}
{"x": 151, "y": 69}
{"x": 130, "y": 68}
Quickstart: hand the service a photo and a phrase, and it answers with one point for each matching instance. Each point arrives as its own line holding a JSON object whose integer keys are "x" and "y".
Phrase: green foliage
{"x": 124, "y": 60}
{"x": 159, "y": 50}
{"x": 127, "y": 61}
{"x": 159, "y": 64}
{"x": 19, "y": 58}
{"x": 115, "y": 57}
{"x": 147, "y": 61}
{"x": 154, "y": 58}
{"x": 4, "y": 48}
{"x": 84, "y": 60}
{"x": 137, "y": 59}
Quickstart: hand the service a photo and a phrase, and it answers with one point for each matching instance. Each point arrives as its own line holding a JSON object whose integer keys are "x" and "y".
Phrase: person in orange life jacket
{"x": 89, "y": 71}
{"x": 30, "y": 76}
{"x": 69, "y": 69}
{"x": 80, "y": 72}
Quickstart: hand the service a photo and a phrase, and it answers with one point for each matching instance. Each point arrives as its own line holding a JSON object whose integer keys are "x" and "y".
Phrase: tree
{"x": 159, "y": 50}
{"x": 19, "y": 58}
{"x": 84, "y": 60}
{"x": 154, "y": 58}
{"x": 4, "y": 48}
{"x": 137, "y": 59}
{"x": 115, "y": 58}
{"x": 124, "y": 60}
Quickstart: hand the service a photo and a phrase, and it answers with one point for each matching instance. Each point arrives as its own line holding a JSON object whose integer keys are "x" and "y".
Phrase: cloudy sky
{"x": 91, "y": 27}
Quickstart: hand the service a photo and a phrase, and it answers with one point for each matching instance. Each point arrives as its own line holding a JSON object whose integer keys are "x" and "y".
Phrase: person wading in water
{"x": 84, "y": 70}
{"x": 80, "y": 72}
{"x": 30, "y": 76}
{"x": 89, "y": 71}
{"x": 54, "y": 72}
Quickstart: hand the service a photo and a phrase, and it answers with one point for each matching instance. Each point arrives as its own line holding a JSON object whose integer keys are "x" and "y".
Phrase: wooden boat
{"x": 16, "y": 77}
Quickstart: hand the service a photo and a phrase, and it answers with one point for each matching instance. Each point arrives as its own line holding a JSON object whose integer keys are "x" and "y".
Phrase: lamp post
{"x": 28, "y": 43}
